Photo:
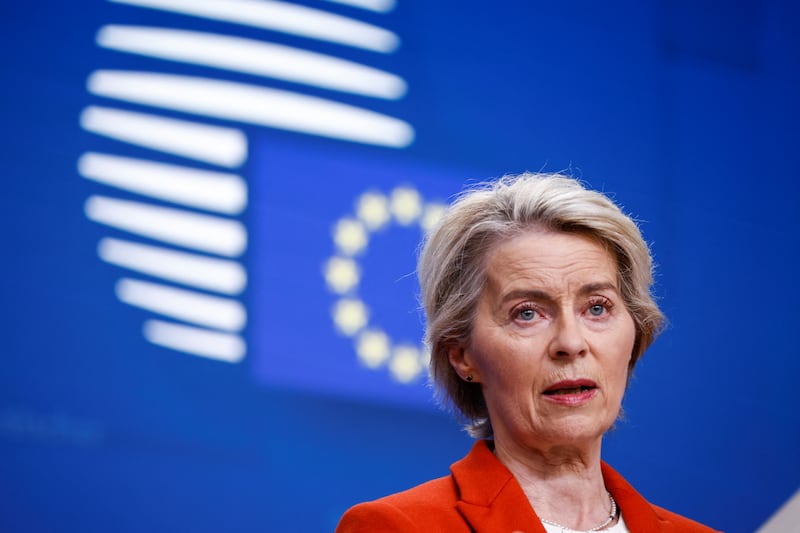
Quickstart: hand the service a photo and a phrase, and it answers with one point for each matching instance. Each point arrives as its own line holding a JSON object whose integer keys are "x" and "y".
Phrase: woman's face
{"x": 551, "y": 341}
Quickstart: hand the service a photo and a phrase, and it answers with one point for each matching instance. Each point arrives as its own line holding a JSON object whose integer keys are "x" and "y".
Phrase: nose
{"x": 568, "y": 338}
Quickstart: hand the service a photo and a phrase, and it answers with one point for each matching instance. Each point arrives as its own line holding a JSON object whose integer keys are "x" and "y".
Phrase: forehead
{"x": 546, "y": 258}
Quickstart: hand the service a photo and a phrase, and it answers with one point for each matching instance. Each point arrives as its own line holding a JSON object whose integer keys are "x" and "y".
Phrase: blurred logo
{"x": 178, "y": 201}
{"x": 405, "y": 207}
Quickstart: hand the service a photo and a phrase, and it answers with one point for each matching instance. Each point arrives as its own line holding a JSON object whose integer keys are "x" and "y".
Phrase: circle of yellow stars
{"x": 374, "y": 211}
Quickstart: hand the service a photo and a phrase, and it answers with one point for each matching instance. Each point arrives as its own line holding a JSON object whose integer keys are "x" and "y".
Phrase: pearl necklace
{"x": 612, "y": 514}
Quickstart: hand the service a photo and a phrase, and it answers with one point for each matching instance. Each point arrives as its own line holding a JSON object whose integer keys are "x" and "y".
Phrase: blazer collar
{"x": 638, "y": 512}
{"x": 491, "y": 499}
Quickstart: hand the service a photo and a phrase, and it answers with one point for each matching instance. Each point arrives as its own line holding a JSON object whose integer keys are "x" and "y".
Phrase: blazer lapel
{"x": 638, "y": 513}
{"x": 490, "y": 499}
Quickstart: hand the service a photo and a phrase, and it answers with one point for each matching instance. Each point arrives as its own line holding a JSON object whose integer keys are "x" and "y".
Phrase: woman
{"x": 538, "y": 305}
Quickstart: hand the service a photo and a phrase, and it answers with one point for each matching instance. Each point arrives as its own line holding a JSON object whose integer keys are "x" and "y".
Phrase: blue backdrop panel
{"x": 297, "y": 343}
{"x": 684, "y": 112}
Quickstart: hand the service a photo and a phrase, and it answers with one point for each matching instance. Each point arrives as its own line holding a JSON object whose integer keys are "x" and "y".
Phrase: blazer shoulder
{"x": 375, "y": 516}
{"x": 434, "y": 494}
{"x": 430, "y": 506}
{"x": 681, "y": 523}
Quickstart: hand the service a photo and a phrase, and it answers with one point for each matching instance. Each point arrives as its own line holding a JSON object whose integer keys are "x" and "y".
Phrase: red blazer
{"x": 482, "y": 496}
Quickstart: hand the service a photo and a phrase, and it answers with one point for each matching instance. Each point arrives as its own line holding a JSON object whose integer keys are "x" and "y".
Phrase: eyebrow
{"x": 538, "y": 294}
{"x": 598, "y": 287}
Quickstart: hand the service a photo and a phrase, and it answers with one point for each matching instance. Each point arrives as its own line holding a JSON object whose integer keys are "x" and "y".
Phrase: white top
{"x": 619, "y": 527}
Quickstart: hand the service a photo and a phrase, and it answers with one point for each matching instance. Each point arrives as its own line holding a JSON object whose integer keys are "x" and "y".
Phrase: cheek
{"x": 621, "y": 380}
{"x": 503, "y": 369}
{"x": 626, "y": 339}
{"x": 621, "y": 352}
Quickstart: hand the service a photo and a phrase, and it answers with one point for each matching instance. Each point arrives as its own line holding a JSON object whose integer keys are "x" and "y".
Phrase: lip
{"x": 587, "y": 392}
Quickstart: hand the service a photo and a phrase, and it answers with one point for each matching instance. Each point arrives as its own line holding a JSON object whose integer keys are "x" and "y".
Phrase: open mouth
{"x": 568, "y": 390}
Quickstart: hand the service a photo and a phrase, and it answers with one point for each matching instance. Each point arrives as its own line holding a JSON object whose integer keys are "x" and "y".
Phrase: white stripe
{"x": 284, "y": 17}
{"x": 191, "y": 230}
{"x": 254, "y": 105}
{"x": 187, "y": 306}
{"x": 219, "y": 275}
{"x": 253, "y": 57}
{"x": 195, "y": 341}
{"x": 379, "y": 6}
{"x": 786, "y": 519}
{"x": 205, "y": 189}
{"x": 212, "y": 144}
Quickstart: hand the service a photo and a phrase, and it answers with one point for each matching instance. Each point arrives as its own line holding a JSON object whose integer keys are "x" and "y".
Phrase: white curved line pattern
{"x": 214, "y": 191}
{"x": 212, "y": 344}
{"x": 379, "y": 6}
{"x": 253, "y": 104}
{"x": 226, "y": 147}
{"x": 176, "y": 226}
{"x": 188, "y": 306}
{"x": 284, "y": 17}
{"x": 209, "y": 273}
{"x": 253, "y": 57}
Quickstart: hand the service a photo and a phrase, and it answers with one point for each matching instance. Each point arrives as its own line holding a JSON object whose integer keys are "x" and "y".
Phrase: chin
{"x": 580, "y": 431}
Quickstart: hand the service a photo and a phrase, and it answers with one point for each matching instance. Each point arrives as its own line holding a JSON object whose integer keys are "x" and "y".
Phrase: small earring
{"x": 469, "y": 378}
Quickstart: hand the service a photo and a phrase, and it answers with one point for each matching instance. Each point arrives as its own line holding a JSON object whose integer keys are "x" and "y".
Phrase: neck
{"x": 564, "y": 484}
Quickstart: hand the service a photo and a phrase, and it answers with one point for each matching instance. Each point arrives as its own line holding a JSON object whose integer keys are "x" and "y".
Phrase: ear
{"x": 461, "y": 361}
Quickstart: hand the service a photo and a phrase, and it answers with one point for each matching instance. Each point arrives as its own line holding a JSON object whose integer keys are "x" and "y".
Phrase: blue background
{"x": 686, "y": 112}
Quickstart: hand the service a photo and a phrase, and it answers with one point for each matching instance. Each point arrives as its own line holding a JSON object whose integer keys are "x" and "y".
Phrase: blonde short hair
{"x": 453, "y": 261}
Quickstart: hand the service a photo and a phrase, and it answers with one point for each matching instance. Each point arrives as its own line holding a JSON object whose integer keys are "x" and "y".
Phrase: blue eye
{"x": 597, "y": 310}
{"x": 527, "y": 314}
